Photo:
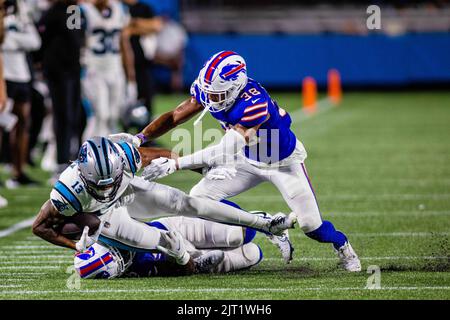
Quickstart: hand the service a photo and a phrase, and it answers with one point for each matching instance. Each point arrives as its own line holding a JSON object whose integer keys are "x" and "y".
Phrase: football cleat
{"x": 349, "y": 258}
{"x": 282, "y": 242}
{"x": 281, "y": 222}
{"x": 207, "y": 262}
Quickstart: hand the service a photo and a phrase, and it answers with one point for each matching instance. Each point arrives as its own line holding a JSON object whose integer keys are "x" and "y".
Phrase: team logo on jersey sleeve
{"x": 59, "y": 205}
{"x": 231, "y": 71}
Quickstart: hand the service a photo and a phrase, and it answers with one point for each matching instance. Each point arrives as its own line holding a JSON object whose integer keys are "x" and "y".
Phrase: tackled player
{"x": 102, "y": 181}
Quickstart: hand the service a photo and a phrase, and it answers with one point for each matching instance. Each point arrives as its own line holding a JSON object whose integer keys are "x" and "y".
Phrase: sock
{"x": 327, "y": 233}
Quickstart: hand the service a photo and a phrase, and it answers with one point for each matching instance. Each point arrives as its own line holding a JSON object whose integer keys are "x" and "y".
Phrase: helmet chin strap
{"x": 197, "y": 121}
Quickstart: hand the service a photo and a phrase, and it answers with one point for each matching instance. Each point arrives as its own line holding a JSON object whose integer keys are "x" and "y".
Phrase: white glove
{"x": 159, "y": 168}
{"x": 175, "y": 247}
{"x": 126, "y": 137}
{"x": 221, "y": 173}
{"x": 85, "y": 240}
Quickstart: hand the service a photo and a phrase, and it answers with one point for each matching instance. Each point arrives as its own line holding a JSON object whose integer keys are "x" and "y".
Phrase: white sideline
{"x": 31, "y": 292}
{"x": 16, "y": 227}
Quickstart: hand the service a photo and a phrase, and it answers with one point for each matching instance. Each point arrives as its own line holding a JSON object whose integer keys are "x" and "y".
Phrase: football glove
{"x": 159, "y": 168}
{"x": 85, "y": 240}
{"x": 125, "y": 137}
{"x": 175, "y": 247}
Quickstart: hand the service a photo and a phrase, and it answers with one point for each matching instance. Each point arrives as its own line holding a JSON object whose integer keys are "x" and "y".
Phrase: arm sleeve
{"x": 63, "y": 201}
{"x": 131, "y": 155}
{"x": 230, "y": 144}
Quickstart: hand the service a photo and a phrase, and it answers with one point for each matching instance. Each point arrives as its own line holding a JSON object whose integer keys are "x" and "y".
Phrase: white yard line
{"x": 300, "y": 115}
{"x": 278, "y": 198}
{"x": 206, "y": 290}
{"x": 29, "y": 267}
{"x": 367, "y": 258}
{"x": 384, "y": 234}
{"x": 16, "y": 227}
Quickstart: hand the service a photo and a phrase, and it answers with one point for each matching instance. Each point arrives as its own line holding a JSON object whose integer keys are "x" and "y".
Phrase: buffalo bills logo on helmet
{"x": 231, "y": 71}
{"x": 82, "y": 156}
{"x": 86, "y": 255}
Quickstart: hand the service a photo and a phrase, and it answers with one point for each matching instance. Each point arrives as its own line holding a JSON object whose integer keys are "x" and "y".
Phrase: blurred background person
{"x": 143, "y": 27}
{"x": 3, "y": 96}
{"x": 21, "y": 37}
{"x": 61, "y": 65}
{"x": 108, "y": 59}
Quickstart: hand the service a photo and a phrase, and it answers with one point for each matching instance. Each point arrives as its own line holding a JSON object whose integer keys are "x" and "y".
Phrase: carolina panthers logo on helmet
{"x": 231, "y": 71}
{"x": 82, "y": 156}
{"x": 59, "y": 205}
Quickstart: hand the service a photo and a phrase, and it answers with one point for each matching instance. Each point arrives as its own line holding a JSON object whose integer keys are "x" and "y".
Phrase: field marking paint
{"x": 278, "y": 198}
{"x": 29, "y": 267}
{"x": 367, "y": 258}
{"x": 209, "y": 290}
{"x": 384, "y": 234}
{"x": 16, "y": 227}
{"x": 300, "y": 115}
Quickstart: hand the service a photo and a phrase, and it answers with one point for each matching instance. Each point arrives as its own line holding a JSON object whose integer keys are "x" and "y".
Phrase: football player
{"x": 103, "y": 181}
{"x": 215, "y": 247}
{"x": 258, "y": 139}
{"x": 108, "y": 59}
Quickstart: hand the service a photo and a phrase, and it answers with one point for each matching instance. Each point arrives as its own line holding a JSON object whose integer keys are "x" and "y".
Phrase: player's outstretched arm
{"x": 164, "y": 123}
{"x": 43, "y": 226}
{"x": 149, "y": 154}
{"x": 169, "y": 120}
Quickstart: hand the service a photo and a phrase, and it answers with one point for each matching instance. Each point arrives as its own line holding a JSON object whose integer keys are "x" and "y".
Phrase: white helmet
{"x": 221, "y": 80}
{"x": 101, "y": 262}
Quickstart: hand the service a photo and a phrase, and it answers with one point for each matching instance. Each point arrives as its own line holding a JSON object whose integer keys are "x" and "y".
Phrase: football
{"x": 73, "y": 226}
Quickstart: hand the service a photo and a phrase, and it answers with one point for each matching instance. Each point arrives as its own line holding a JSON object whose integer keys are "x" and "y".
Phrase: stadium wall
{"x": 375, "y": 60}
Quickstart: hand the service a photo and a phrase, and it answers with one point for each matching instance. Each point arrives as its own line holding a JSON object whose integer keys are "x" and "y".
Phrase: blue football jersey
{"x": 253, "y": 107}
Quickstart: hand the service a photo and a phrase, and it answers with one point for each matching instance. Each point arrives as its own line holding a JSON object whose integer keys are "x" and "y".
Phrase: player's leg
{"x": 119, "y": 230}
{"x": 116, "y": 92}
{"x": 205, "y": 234}
{"x": 244, "y": 180}
{"x": 243, "y": 257}
{"x": 295, "y": 187}
{"x": 95, "y": 90}
{"x": 153, "y": 200}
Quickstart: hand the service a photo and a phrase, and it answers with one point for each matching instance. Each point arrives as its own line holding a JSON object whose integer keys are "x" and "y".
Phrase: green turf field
{"x": 380, "y": 166}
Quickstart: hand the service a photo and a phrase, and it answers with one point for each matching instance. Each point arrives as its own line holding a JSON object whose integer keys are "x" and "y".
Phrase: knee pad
{"x": 235, "y": 237}
{"x": 252, "y": 253}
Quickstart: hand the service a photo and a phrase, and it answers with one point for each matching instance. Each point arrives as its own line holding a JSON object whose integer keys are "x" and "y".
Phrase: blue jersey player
{"x": 258, "y": 142}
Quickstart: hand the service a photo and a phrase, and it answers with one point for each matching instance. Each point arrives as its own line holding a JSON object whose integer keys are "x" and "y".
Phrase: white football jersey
{"x": 103, "y": 31}
{"x": 69, "y": 195}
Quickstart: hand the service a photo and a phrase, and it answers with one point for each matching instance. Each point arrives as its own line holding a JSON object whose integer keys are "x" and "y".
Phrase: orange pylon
{"x": 334, "y": 86}
{"x": 309, "y": 94}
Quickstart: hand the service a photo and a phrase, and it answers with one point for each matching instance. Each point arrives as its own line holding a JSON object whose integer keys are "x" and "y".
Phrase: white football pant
{"x": 290, "y": 178}
{"x": 202, "y": 236}
{"x": 106, "y": 94}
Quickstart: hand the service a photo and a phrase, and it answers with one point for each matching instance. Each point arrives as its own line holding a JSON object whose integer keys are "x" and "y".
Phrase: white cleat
{"x": 281, "y": 222}
{"x": 283, "y": 244}
{"x": 207, "y": 262}
{"x": 349, "y": 258}
{"x": 3, "y": 202}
